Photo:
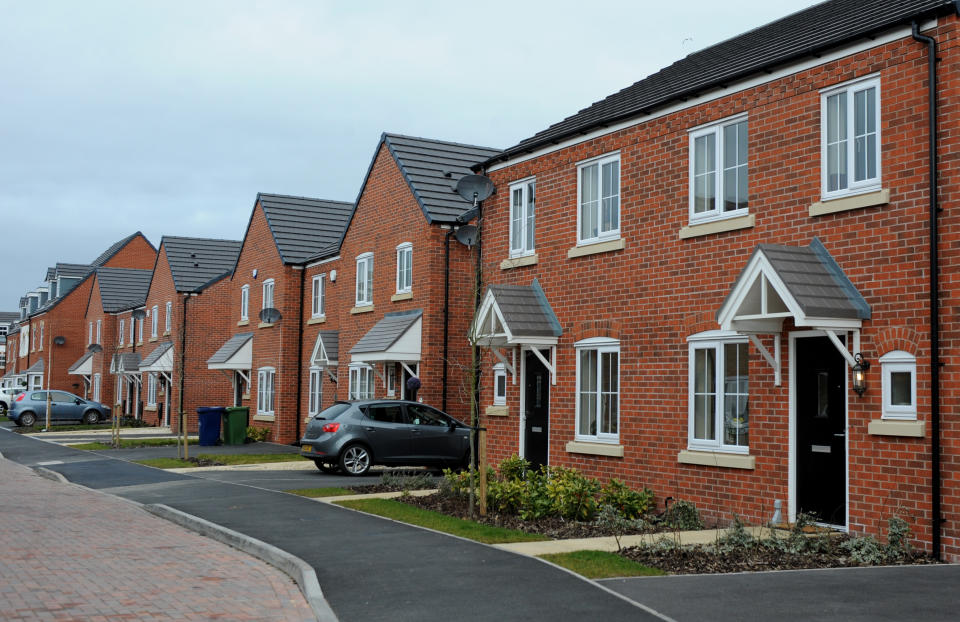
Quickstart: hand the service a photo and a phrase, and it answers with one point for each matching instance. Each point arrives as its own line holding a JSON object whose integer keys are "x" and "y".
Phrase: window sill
{"x": 243, "y": 323}
{"x": 150, "y": 409}
{"x": 596, "y": 247}
{"x": 245, "y": 396}
{"x": 166, "y": 333}
{"x": 497, "y": 411}
{"x": 317, "y": 320}
{"x": 718, "y": 459}
{"x": 265, "y": 325}
{"x": 152, "y": 339}
{"x": 595, "y": 449}
{"x": 363, "y": 309}
{"x": 717, "y": 226}
{"x": 140, "y": 343}
{"x": 264, "y": 417}
{"x": 857, "y": 201}
{"x": 517, "y": 262}
{"x": 890, "y": 427}
{"x": 401, "y": 296}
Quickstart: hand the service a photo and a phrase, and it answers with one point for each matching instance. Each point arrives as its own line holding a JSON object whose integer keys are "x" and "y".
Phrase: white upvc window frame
{"x": 714, "y": 340}
{"x": 140, "y": 331}
{"x": 41, "y": 336}
{"x": 601, "y": 345}
{"x": 850, "y": 89}
{"x": 268, "y": 290}
{"x": 391, "y": 374}
{"x": 97, "y": 383}
{"x": 718, "y": 132}
{"x": 133, "y": 324}
{"x": 266, "y": 390}
{"x": 151, "y": 389}
{"x": 89, "y": 332}
{"x": 404, "y": 268}
{"x": 361, "y": 382}
{"x": 318, "y": 289}
{"x": 168, "y": 317}
{"x": 245, "y": 303}
{"x": 99, "y": 330}
{"x": 612, "y": 233}
{"x": 120, "y": 333}
{"x": 315, "y": 391}
{"x": 154, "y": 321}
{"x": 363, "y": 293}
{"x": 499, "y": 375}
{"x": 899, "y": 362}
{"x": 523, "y": 218}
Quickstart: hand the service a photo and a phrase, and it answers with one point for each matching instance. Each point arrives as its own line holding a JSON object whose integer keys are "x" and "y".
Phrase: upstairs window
{"x": 168, "y": 318}
{"x": 718, "y": 393}
{"x": 404, "y": 268}
{"x": 133, "y": 323}
{"x": 89, "y": 333}
{"x": 120, "y": 333}
{"x": 154, "y": 321}
{"x": 599, "y": 192}
{"x": 522, "y": 198}
{"x": 364, "y": 295}
{"x": 718, "y": 171}
{"x": 318, "y": 295}
{"x": 267, "y": 294}
{"x": 245, "y": 302}
{"x": 98, "y": 331}
{"x": 139, "y": 331}
{"x": 850, "y": 128}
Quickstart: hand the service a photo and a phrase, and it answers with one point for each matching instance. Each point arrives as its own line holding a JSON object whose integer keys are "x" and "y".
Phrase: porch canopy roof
{"x": 36, "y": 368}
{"x": 802, "y": 283}
{"x": 326, "y": 349}
{"x": 513, "y": 315}
{"x": 396, "y": 337}
{"x": 235, "y": 354}
{"x": 83, "y": 366}
{"x": 160, "y": 360}
{"x": 126, "y": 363}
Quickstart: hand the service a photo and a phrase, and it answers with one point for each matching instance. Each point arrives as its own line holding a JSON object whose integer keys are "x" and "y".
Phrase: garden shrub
{"x": 736, "y": 538}
{"x": 683, "y": 516}
{"x": 574, "y": 495}
{"x": 629, "y": 503}
{"x": 898, "y": 538}
{"x": 864, "y": 550}
{"x": 513, "y": 468}
{"x": 407, "y": 480}
{"x": 258, "y": 434}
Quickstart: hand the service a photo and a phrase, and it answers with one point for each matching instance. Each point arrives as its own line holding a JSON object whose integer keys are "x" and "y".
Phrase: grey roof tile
{"x": 303, "y": 227}
{"x": 230, "y": 348}
{"x": 801, "y": 35}
{"x": 197, "y": 262}
{"x": 386, "y": 332}
{"x": 51, "y": 274}
{"x": 73, "y": 270}
{"x": 331, "y": 344}
{"x": 526, "y": 311}
{"x": 9, "y": 316}
{"x": 80, "y": 361}
{"x": 36, "y": 368}
{"x": 123, "y": 288}
{"x": 126, "y": 361}
{"x": 157, "y": 352}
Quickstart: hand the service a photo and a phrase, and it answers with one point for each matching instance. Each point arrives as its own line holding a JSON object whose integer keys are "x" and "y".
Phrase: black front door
{"x": 821, "y": 430}
{"x": 536, "y": 409}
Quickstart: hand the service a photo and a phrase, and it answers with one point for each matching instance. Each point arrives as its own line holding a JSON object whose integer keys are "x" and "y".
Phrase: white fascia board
{"x": 322, "y": 261}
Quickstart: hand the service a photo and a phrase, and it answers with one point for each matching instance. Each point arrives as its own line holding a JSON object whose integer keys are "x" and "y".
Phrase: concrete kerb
{"x": 297, "y": 569}
{"x": 51, "y": 475}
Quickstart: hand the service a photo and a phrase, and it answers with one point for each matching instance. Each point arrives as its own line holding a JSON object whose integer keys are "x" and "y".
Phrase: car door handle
{"x": 415, "y": 431}
{"x": 370, "y": 429}
{"x": 840, "y": 435}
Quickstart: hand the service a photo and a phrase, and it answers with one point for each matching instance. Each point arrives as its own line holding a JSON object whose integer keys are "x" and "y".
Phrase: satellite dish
{"x": 467, "y": 235}
{"x": 94, "y": 347}
{"x": 270, "y": 315}
{"x": 139, "y": 314}
{"x": 474, "y": 188}
{"x": 59, "y": 340}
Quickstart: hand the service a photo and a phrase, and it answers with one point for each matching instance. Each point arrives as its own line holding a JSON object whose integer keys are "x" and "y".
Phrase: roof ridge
{"x": 439, "y": 141}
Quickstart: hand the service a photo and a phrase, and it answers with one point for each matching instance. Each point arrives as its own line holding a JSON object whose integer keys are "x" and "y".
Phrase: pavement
{"x": 69, "y": 553}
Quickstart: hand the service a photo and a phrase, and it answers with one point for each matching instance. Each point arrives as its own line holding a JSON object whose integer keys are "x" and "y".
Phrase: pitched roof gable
{"x": 195, "y": 263}
{"x": 122, "y": 288}
{"x": 302, "y": 227}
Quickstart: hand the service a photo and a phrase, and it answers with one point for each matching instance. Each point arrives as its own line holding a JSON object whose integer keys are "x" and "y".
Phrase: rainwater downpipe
{"x": 446, "y": 312}
{"x": 935, "y": 476}
{"x": 303, "y": 274}
{"x": 183, "y": 363}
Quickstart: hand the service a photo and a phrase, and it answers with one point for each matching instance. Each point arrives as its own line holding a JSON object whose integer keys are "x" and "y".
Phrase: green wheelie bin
{"x": 235, "y": 425}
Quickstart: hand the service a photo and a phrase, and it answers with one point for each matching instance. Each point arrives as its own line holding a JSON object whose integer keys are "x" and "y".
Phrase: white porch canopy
{"x": 236, "y": 354}
{"x": 394, "y": 338}
{"x": 160, "y": 360}
{"x": 83, "y": 366}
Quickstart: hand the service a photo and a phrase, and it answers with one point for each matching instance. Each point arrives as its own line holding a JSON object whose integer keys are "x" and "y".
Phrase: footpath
{"x": 70, "y": 553}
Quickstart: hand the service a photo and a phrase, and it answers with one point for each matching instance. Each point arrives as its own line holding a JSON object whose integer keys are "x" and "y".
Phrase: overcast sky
{"x": 168, "y": 117}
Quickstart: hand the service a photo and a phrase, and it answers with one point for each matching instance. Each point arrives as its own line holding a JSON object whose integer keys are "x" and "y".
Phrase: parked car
{"x": 353, "y": 436}
{"x": 7, "y": 394}
{"x": 30, "y": 406}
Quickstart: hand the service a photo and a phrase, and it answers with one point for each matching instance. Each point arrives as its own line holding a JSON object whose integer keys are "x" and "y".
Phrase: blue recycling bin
{"x": 209, "y": 418}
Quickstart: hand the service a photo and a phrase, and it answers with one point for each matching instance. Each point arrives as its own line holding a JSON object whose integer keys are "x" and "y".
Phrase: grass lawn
{"x": 313, "y": 493}
{"x": 403, "y": 512}
{"x": 601, "y": 565}
{"x": 132, "y": 443}
{"x": 233, "y": 459}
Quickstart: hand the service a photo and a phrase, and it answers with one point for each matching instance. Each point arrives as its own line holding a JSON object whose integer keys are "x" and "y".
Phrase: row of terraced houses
{"x": 734, "y": 282}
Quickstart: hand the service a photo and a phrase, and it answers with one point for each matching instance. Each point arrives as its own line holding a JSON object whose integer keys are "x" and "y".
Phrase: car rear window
{"x": 334, "y": 411}
{"x": 388, "y": 413}
{"x": 39, "y": 397}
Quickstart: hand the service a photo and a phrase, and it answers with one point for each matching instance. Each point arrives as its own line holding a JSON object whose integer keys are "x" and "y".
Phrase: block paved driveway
{"x": 68, "y": 553}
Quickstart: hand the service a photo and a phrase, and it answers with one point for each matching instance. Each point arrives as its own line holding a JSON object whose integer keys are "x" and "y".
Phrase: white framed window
{"x": 899, "y": 380}
{"x": 36, "y": 382}
{"x": 120, "y": 333}
{"x": 133, "y": 323}
{"x": 267, "y": 294}
{"x": 598, "y": 192}
{"x": 718, "y": 392}
{"x": 151, "y": 390}
{"x": 850, "y": 137}
{"x": 99, "y": 325}
{"x": 96, "y": 387}
{"x": 718, "y": 170}
{"x": 391, "y": 379}
{"x": 168, "y": 317}
{"x": 89, "y": 333}
{"x": 404, "y": 268}
{"x": 318, "y": 296}
{"x": 316, "y": 389}
{"x": 361, "y": 382}
{"x": 598, "y": 389}
{"x": 364, "y": 295}
{"x": 266, "y": 376}
{"x": 245, "y": 302}
{"x": 119, "y": 390}
{"x": 154, "y": 321}
{"x": 40, "y": 347}
{"x": 139, "y": 331}
{"x": 522, "y": 217}
{"x": 499, "y": 385}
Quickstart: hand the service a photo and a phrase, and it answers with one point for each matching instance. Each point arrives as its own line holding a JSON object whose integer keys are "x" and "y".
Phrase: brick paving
{"x": 68, "y": 553}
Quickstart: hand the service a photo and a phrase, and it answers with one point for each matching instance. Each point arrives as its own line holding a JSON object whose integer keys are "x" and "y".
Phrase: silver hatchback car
{"x": 353, "y": 436}
{"x": 31, "y": 406}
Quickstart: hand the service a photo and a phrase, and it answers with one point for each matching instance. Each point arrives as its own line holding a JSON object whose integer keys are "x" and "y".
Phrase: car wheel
{"x": 90, "y": 417}
{"x": 3, "y": 408}
{"x": 326, "y": 467}
{"x": 27, "y": 420}
{"x": 355, "y": 460}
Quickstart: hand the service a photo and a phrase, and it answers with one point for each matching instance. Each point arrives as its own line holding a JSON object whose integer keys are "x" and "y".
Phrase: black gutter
{"x": 446, "y": 313}
{"x": 303, "y": 275}
{"x": 935, "y": 475}
{"x": 183, "y": 364}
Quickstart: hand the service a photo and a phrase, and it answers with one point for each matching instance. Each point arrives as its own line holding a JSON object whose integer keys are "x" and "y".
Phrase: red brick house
{"x": 258, "y": 332}
{"x": 685, "y": 277}
{"x": 395, "y": 260}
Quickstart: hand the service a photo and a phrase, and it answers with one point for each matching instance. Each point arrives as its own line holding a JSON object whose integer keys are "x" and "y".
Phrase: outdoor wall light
{"x": 859, "y": 373}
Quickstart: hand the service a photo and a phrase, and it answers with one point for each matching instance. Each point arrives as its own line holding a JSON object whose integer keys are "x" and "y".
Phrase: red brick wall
{"x": 332, "y": 319}
{"x": 660, "y": 289}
